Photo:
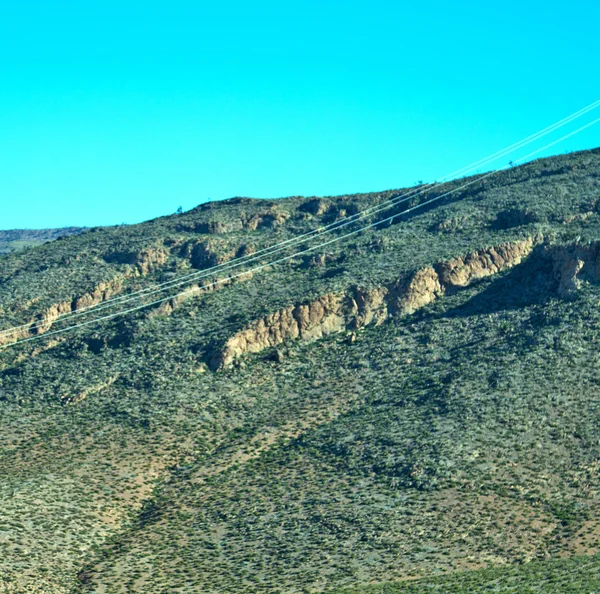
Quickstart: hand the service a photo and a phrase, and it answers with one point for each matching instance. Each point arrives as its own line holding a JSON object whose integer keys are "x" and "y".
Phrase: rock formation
{"x": 360, "y": 307}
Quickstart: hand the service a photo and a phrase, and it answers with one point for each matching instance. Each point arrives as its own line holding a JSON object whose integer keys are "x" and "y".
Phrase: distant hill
{"x": 17, "y": 239}
{"x": 412, "y": 408}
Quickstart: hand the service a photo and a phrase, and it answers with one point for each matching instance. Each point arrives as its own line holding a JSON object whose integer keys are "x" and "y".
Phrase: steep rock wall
{"x": 462, "y": 271}
{"x": 359, "y": 307}
{"x": 307, "y": 321}
{"x": 573, "y": 264}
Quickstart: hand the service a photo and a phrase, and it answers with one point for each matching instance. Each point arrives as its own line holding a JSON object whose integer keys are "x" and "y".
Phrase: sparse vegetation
{"x": 453, "y": 449}
{"x": 20, "y": 239}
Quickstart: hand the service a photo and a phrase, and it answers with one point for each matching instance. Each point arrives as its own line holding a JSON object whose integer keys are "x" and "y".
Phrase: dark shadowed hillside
{"x": 414, "y": 408}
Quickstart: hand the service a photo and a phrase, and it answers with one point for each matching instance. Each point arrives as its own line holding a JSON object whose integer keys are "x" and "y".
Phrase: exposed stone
{"x": 420, "y": 289}
{"x": 567, "y": 270}
{"x": 316, "y": 206}
{"x": 309, "y": 321}
{"x": 514, "y": 217}
{"x": 450, "y": 224}
{"x": 245, "y": 250}
{"x": 206, "y": 254}
{"x": 360, "y": 307}
{"x": 213, "y": 227}
{"x": 461, "y": 271}
{"x": 168, "y": 307}
{"x": 44, "y": 321}
{"x": 367, "y": 305}
{"x": 278, "y": 356}
{"x": 273, "y": 218}
{"x": 150, "y": 259}
{"x": 101, "y": 293}
{"x": 75, "y": 398}
{"x": 572, "y": 264}
{"x": 144, "y": 261}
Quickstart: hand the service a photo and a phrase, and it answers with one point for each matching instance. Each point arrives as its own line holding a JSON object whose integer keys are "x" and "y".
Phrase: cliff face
{"x": 360, "y": 307}
{"x": 306, "y": 322}
{"x": 131, "y": 264}
{"x": 575, "y": 263}
{"x": 460, "y": 272}
{"x": 143, "y": 261}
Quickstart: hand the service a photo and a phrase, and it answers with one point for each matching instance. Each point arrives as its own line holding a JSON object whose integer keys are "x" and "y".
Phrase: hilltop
{"x": 411, "y": 409}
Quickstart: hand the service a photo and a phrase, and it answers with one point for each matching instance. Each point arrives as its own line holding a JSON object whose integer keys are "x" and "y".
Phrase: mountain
{"x": 412, "y": 408}
{"x": 18, "y": 239}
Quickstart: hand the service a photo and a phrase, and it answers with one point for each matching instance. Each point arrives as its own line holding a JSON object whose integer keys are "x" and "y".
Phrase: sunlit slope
{"x": 416, "y": 399}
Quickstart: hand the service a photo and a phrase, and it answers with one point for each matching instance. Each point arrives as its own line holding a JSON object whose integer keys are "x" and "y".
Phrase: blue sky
{"x": 122, "y": 111}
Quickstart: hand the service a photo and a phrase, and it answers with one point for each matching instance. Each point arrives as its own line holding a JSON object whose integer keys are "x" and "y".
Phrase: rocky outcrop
{"x": 461, "y": 271}
{"x": 361, "y": 307}
{"x": 451, "y": 224}
{"x": 100, "y": 293}
{"x": 217, "y": 227}
{"x": 143, "y": 261}
{"x": 83, "y": 394}
{"x": 244, "y": 221}
{"x": 514, "y": 217}
{"x": 307, "y": 322}
{"x": 573, "y": 264}
{"x": 140, "y": 263}
{"x": 314, "y": 206}
{"x": 267, "y": 220}
{"x": 209, "y": 285}
{"x": 366, "y": 306}
{"x": 567, "y": 270}
{"x": 417, "y": 291}
{"x": 44, "y": 321}
{"x": 206, "y": 254}
{"x": 150, "y": 260}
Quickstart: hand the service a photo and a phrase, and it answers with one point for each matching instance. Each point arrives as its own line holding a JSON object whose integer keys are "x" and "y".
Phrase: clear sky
{"x": 119, "y": 111}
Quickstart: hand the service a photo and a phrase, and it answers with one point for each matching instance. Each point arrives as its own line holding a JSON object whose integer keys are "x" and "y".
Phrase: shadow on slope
{"x": 530, "y": 283}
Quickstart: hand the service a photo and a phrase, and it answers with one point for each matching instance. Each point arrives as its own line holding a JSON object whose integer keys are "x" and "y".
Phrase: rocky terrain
{"x": 413, "y": 408}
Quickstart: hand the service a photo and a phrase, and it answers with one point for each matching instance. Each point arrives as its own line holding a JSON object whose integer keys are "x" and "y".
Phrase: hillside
{"x": 18, "y": 239}
{"x": 414, "y": 408}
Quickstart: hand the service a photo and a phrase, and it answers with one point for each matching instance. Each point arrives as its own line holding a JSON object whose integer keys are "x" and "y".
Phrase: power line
{"x": 341, "y": 223}
{"x": 308, "y": 250}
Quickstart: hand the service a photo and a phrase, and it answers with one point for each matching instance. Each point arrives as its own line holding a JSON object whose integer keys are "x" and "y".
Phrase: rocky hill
{"x": 414, "y": 408}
